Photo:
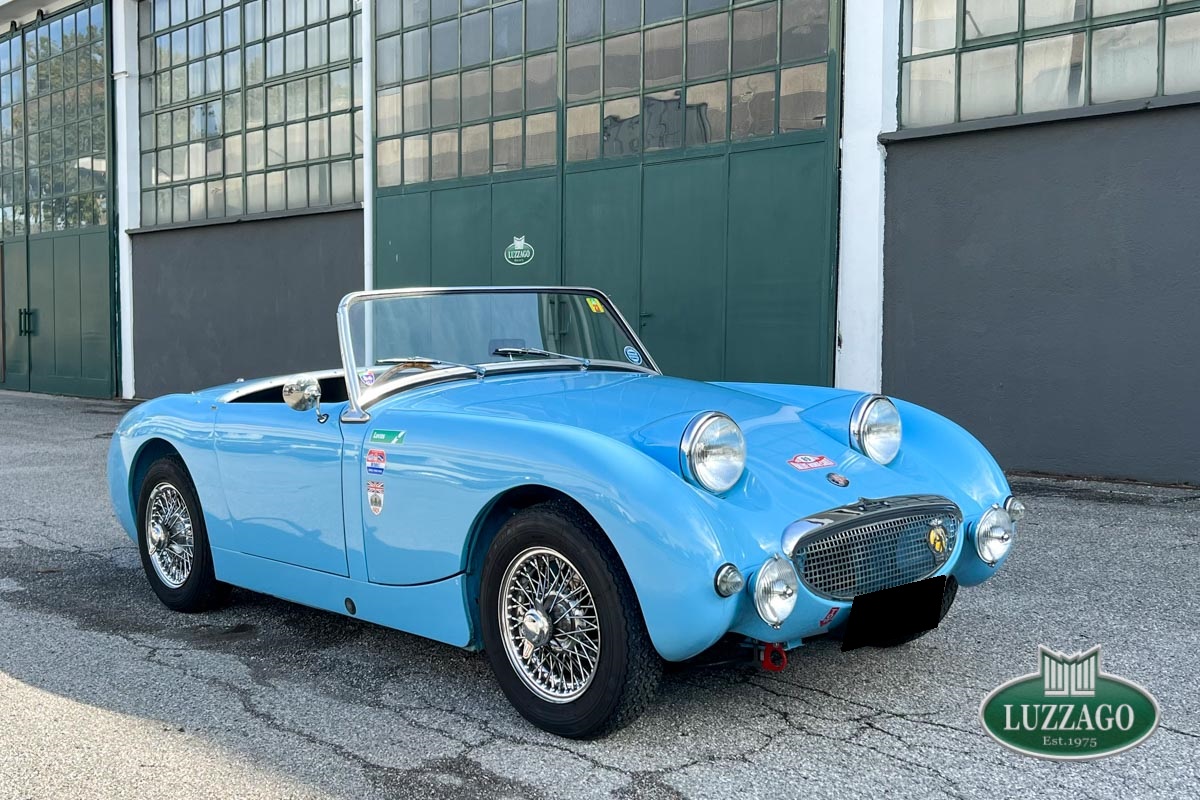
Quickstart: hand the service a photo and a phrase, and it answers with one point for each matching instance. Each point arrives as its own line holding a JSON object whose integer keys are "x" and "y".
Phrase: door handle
{"x": 31, "y": 322}
{"x": 21, "y": 321}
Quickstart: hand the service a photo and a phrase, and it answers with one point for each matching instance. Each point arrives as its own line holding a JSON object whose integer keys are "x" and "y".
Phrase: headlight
{"x": 775, "y": 587}
{"x": 994, "y": 534}
{"x": 713, "y": 452}
{"x": 875, "y": 428}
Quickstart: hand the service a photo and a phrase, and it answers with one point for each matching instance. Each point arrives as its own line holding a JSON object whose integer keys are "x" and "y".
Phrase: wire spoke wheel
{"x": 169, "y": 537}
{"x": 549, "y": 624}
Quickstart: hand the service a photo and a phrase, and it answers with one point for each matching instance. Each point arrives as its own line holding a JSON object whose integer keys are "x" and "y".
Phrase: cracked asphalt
{"x": 106, "y": 693}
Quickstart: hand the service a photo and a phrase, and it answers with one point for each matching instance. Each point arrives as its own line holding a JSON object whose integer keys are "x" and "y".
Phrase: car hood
{"x": 650, "y": 412}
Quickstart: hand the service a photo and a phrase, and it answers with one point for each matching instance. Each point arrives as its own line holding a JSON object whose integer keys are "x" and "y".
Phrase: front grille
{"x": 842, "y": 561}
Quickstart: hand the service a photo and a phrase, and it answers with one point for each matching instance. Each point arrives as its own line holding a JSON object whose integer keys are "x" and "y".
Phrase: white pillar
{"x": 368, "y": 67}
{"x": 869, "y": 80}
{"x": 128, "y": 171}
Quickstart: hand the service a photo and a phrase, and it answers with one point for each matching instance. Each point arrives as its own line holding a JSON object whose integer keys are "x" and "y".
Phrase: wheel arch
{"x": 150, "y": 451}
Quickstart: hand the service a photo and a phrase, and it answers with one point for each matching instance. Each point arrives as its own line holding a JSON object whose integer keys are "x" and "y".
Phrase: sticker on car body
{"x": 376, "y": 461}
{"x": 380, "y": 436}
{"x": 368, "y": 378}
{"x": 829, "y": 617}
{"x": 804, "y": 462}
{"x": 375, "y": 496}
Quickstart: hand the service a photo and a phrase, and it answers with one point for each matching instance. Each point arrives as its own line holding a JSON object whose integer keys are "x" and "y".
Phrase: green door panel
{"x": 95, "y": 314}
{"x": 14, "y": 296}
{"x": 527, "y": 210}
{"x": 602, "y": 242}
{"x": 780, "y": 283}
{"x": 402, "y": 241}
{"x": 460, "y": 233}
{"x": 683, "y": 266}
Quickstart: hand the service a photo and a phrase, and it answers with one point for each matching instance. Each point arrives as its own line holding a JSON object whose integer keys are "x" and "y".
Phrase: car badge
{"x": 937, "y": 538}
{"x": 837, "y": 479}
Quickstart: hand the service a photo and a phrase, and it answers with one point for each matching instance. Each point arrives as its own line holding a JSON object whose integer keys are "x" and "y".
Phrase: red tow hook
{"x": 774, "y": 657}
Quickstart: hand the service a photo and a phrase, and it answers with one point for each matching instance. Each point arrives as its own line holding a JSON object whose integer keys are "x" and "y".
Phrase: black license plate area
{"x": 891, "y": 616}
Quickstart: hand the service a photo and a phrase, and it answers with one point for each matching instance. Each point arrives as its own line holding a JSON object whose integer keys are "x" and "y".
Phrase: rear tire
{"x": 574, "y": 656}
{"x": 173, "y": 541}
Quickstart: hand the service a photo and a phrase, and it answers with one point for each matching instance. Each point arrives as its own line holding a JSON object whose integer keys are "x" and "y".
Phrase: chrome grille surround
{"x": 872, "y": 544}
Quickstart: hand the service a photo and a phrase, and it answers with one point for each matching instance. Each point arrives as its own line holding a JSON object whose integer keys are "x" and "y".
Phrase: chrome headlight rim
{"x": 858, "y": 425}
{"x": 776, "y": 569}
{"x": 692, "y": 436}
{"x": 1002, "y": 544}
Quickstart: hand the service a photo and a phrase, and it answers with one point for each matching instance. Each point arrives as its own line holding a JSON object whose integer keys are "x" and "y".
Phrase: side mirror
{"x": 303, "y": 393}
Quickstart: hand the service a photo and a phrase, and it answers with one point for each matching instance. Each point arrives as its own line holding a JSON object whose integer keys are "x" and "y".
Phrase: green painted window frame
{"x": 1087, "y": 26}
{"x": 393, "y": 147}
{"x": 199, "y": 146}
{"x": 54, "y": 172}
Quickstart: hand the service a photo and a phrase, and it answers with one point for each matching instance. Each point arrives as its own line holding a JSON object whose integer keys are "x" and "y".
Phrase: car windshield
{"x": 396, "y": 335}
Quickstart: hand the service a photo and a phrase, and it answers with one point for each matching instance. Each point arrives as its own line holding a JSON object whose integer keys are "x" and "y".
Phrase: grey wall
{"x": 246, "y": 299}
{"x": 1042, "y": 288}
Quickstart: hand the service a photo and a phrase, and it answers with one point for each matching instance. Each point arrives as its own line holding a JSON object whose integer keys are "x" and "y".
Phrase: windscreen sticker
{"x": 376, "y": 462}
{"x": 368, "y": 377}
{"x": 380, "y": 436}
{"x": 806, "y": 462}
{"x": 632, "y": 355}
{"x": 595, "y": 305}
{"x": 375, "y": 496}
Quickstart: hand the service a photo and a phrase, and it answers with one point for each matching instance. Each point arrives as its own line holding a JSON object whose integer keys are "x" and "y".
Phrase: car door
{"x": 281, "y": 471}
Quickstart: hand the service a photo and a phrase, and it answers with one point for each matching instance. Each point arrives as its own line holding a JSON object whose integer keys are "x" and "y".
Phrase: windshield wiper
{"x": 535, "y": 351}
{"x": 421, "y": 362}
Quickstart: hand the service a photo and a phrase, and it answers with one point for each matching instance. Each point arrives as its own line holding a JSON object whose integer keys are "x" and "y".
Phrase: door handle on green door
{"x": 31, "y": 322}
{"x": 645, "y": 315}
{"x": 21, "y": 312}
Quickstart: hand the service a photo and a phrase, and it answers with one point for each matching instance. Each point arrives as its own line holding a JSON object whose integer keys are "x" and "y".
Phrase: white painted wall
{"x": 125, "y": 85}
{"x": 870, "y": 53}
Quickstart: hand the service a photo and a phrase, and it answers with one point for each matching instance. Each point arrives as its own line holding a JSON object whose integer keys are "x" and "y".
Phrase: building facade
{"x": 978, "y": 205}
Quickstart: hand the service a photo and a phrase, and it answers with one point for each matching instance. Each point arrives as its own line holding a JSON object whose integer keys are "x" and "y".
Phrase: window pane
{"x": 583, "y": 72}
{"x": 805, "y": 29}
{"x": 340, "y": 135}
{"x": 1181, "y": 70}
{"x": 621, "y": 128}
{"x": 476, "y": 158}
{"x": 506, "y": 89}
{"x": 387, "y": 163}
{"x": 989, "y": 83}
{"x": 622, "y": 15}
{"x": 443, "y": 8}
{"x": 1039, "y": 14}
{"x": 416, "y": 106}
{"x": 658, "y": 10}
{"x": 662, "y": 120}
{"x": 583, "y": 132}
{"x": 541, "y": 80}
{"x": 506, "y": 145}
{"x": 697, "y": 6}
{"x": 343, "y": 182}
{"x": 990, "y": 17}
{"x": 752, "y": 112}
{"x": 754, "y": 37}
{"x": 476, "y": 39}
{"x": 928, "y": 91}
{"x": 1125, "y": 62}
{"x": 541, "y": 24}
{"x": 664, "y": 55}
{"x": 416, "y": 12}
{"x": 387, "y": 16}
{"x": 802, "y": 98}
{"x": 387, "y": 61}
{"x": 583, "y": 20}
{"x": 1102, "y": 8}
{"x": 707, "y": 47}
{"x": 506, "y": 30}
{"x": 705, "y": 113}
{"x": 1053, "y": 73}
{"x": 622, "y": 64}
{"x": 416, "y": 53}
{"x": 929, "y": 25}
{"x": 444, "y": 104}
{"x": 541, "y": 139}
{"x": 416, "y": 159}
{"x": 445, "y": 46}
{"x": 476, "y": 94}
{"x": 445, "y": 155}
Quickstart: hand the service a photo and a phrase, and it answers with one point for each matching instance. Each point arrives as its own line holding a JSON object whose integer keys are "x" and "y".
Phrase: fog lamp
{"x": 775, "y": 587}
{"x": 994, "y": 534}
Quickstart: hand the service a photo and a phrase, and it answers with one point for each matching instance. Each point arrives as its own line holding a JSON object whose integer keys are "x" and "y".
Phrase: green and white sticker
{"x": 380, "y": 436}
{"x": 519, "y": 253}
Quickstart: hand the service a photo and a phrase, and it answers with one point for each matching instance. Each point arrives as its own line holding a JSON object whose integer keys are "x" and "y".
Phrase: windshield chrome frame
{"x": 356, "y": 409}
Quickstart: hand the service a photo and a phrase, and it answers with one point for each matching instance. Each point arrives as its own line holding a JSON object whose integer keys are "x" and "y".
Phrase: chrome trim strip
{"x": 356, "y": 408}
{"x": 862, "y": 512}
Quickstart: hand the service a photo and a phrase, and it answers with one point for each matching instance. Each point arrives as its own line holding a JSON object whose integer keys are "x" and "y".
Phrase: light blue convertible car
{"x": 507, "y": 469}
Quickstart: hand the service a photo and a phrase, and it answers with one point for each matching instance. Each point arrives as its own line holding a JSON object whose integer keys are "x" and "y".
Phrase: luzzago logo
{"x": 1069, "y": 710}
{"x": 518, "y": 253}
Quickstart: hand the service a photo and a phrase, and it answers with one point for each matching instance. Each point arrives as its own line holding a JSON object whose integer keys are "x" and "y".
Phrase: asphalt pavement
{"x": 106, "y": 693}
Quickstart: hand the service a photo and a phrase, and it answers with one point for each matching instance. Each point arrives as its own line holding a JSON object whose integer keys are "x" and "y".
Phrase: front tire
{"x": 173, "y": 541}
{"x": 562, "y": 627}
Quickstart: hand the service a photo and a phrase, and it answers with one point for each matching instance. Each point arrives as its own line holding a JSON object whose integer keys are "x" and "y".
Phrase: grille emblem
{"x": 837, "y": 479}
{"x": 937, "y": 537}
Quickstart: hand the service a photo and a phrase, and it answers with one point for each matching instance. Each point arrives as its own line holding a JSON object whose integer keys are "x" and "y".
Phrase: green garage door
{"x": 56, "y": 274}
{"x": 680, "y": 157}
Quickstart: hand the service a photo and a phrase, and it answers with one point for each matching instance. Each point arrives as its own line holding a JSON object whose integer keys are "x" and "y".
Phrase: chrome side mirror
{"x": 303, "y": 393}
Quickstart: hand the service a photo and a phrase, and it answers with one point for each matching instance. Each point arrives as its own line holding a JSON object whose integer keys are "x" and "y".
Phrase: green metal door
{"x": 680, "y": 156}
{"x": 55, "y": 187}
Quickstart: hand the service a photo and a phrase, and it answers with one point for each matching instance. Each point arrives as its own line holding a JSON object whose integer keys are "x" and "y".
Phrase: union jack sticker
{"x": 375, "y": 496}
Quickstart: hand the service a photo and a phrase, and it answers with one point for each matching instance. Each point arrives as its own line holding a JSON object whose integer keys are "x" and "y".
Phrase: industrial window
{"x": 54, "y": 124}
{"x": 248, "y": 107}
{"x": 476, "y": 89}
{"x": 974, "y": 59}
